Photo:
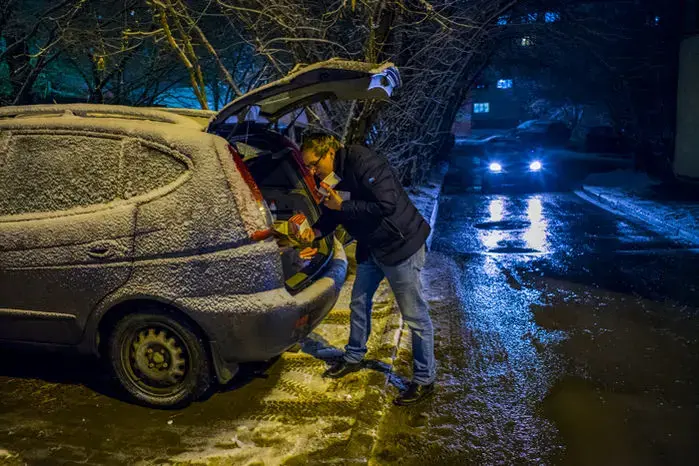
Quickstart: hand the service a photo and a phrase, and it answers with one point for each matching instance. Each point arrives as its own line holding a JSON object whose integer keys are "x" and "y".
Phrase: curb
{"x": 392, "y": 332}
{"x": 441, "y": 172}
{"x": 435, "y": 208}
{"x": 629, "y": 209}
{"x": 438, "y": 179}
{"x": 397, "y": 326}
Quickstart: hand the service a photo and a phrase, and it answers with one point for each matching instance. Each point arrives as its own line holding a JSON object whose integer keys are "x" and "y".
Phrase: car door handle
{"x": 103, "y": 250}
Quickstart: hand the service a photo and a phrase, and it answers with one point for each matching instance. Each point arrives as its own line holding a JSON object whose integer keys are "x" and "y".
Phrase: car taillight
{"x": 256, "y": 194}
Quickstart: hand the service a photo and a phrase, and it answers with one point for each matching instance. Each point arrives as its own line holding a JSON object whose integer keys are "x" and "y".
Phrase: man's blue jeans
{"x": 404, "y": 279}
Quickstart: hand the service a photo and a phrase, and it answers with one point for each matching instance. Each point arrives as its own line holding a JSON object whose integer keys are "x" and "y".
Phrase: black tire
{"x": 159, "y": 359}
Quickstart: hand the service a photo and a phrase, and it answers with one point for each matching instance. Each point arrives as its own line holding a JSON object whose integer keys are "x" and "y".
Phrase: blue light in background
{"x": 504, "y": 84}
{"x": 552, "y": 16}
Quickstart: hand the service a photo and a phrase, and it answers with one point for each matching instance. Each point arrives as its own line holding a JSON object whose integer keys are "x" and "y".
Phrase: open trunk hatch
{"x": 274, "y": 165}
{"x": 329, "y": 80}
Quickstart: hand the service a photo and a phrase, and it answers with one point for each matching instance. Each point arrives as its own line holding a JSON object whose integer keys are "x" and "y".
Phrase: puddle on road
{"x": 629, "y": 395}
{"x": 593, "y": 424}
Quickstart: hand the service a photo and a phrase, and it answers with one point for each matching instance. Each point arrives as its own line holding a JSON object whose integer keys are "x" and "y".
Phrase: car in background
{"x": 542, "y": 133}
{"x": 145, "y": 236}
{"x": 508, "y": 162}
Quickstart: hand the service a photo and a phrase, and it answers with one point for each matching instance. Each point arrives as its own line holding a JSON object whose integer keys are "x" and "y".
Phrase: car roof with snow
{"x": 172, "y": 130}
{"x": 172, "y": 133}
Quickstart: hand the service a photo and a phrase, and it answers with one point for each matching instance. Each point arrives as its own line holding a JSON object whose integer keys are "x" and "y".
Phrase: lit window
{"x": 504, "y": 84}
{"x": 481, "y": 108}
{"x": 532, "y": 17}
{"x": 503, "y": 20}
{"x": 552, "y": 16}
{"x": 526, "y": 41}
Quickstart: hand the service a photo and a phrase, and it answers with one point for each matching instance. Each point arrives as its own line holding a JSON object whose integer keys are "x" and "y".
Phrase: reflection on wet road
{"x": 565, "y": 335}
{"x": 525, "y": 235}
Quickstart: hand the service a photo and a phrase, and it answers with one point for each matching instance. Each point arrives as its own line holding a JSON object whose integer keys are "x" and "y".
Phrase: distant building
{"x": 499, "y": 101}
{"x": 502, "y": 98}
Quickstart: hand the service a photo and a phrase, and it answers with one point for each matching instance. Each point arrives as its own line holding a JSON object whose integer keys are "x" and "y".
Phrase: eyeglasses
{"x": 314, "y": 165}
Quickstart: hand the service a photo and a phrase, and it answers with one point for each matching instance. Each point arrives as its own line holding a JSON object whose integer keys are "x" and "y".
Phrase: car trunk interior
{"x": 278, "y": 175}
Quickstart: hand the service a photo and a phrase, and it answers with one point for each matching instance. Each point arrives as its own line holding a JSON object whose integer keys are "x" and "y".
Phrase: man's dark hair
{"x": 320, "y": 143}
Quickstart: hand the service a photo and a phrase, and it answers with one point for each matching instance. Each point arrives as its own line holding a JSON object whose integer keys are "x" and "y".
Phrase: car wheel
{"x": 159, "y": 359}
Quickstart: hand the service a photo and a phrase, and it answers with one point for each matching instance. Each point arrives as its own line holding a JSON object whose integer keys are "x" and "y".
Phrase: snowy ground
{"x": 632, "y": 193}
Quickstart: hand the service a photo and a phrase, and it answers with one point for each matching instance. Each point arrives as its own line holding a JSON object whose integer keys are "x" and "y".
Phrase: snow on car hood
{"x": 332, "y": 80}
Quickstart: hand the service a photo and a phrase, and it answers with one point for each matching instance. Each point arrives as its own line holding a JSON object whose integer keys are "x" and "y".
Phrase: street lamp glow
{"x": 535, "y": 166}
{"x": 495, "y": 167}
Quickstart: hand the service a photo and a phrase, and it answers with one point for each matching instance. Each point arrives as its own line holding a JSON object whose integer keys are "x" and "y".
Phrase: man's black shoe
{"x": 414, "y": 394}
{"x": 341, "y": 368}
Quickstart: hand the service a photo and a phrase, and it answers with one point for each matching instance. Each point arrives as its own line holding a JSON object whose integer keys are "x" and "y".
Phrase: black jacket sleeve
{"x": 327, "y": 223}
{"x": 378, "y": 180}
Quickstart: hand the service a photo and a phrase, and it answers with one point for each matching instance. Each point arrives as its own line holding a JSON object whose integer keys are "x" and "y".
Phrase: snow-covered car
{"x": 508, "y": 162}
{"x": 144, "y": 237}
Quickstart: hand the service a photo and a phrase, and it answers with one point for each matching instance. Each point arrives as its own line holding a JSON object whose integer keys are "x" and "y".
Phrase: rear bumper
{"x": 259, "y": 326}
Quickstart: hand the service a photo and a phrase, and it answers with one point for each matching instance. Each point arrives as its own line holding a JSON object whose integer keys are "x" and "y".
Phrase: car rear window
{"x": 147, "y": 168}
{"x": 46, "y": 172}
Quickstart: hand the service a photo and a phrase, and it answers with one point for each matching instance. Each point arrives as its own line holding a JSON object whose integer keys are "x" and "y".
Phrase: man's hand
{"x": 333, "y": 201}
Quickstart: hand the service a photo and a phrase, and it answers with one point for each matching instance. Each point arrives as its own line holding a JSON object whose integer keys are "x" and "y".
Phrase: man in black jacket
{"x": 372, "y": 205}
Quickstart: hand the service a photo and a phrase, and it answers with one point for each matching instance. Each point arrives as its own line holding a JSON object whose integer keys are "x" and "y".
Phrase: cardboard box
{"x": 300, "y": 222}
{"x": 329, "y": 181}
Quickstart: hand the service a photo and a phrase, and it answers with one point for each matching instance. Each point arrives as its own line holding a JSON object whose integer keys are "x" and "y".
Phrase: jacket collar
{"x": 339, "y": 165}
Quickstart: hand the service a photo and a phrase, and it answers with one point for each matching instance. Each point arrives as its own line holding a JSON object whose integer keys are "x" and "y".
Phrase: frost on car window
{"x": 44, "y": 173}
{"x": 146, "y": 168}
